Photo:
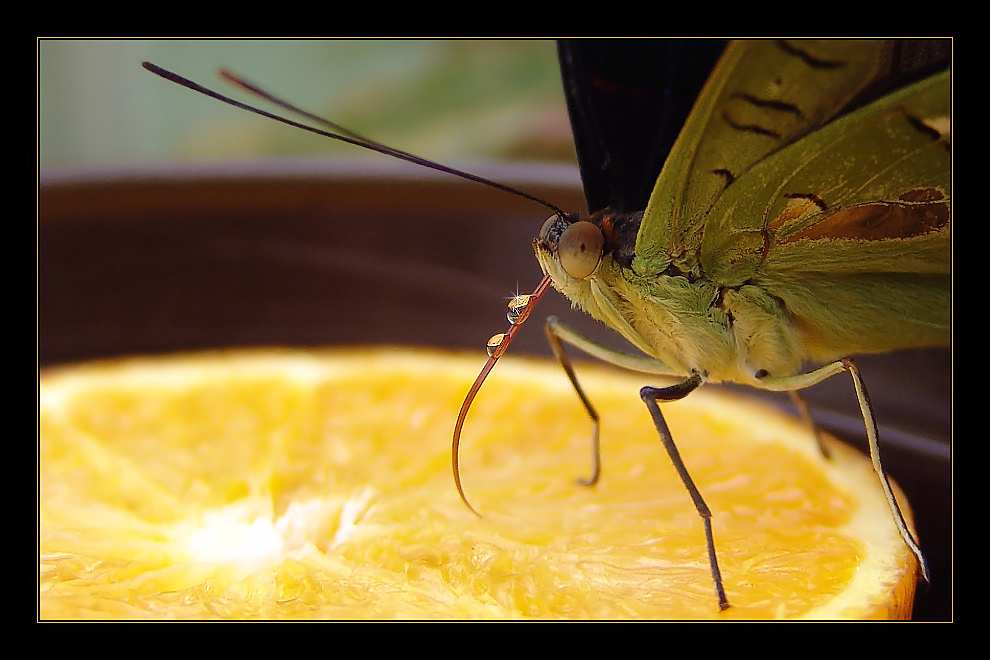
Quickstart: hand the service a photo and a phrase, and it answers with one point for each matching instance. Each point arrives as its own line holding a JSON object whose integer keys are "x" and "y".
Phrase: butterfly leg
{"x": 565, "y": 362}
{"x": 557, "y": 334}
{"x": 801, "y": 381}
{"x": 805, "y": 413}
{"x": 650, "y": 396}
{"x": 873, "y": 433}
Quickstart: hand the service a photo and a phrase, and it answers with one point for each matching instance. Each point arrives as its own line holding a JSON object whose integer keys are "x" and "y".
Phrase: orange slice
{"x": 282, "y": 484}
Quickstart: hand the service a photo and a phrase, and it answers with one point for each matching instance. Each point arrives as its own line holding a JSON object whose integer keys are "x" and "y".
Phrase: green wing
{"x": 845, "y": 221}
{"x": 856, "y": 237}
{"x": 761, "y": 97}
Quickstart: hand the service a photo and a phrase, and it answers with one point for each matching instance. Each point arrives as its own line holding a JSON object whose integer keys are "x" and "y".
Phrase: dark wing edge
{"x": 627, "y": 100}
{"x": 904, "y": 61}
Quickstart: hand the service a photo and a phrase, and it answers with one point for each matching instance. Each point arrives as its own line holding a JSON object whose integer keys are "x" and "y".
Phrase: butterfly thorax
{"x": 685, "y": 320}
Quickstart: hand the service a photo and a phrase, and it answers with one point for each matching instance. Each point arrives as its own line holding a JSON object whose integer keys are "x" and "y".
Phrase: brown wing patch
{"x": 921, "y": 212}
{"x": 798, "y": 206}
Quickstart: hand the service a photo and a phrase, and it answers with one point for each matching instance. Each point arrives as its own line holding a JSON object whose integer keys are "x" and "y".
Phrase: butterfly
{"x": 797, "y": 213}
{"x": 801, "y": 216}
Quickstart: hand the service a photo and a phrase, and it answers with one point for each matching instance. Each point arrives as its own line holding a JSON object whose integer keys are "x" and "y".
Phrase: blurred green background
{"x": 450, "y": 101}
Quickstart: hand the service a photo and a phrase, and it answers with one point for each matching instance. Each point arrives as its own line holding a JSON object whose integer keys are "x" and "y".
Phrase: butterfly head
{"x": 569, "y": 250}
{"x": 573, "y": 251}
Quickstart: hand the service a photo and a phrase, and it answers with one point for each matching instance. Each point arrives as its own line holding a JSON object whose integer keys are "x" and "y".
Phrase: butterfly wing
{"x": 854, "y": 238}
{"x": 762, "y": 97}
{"x": 627, "y": 100}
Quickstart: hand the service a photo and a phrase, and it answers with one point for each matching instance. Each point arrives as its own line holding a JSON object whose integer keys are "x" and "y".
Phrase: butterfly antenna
{"x": 285, "y": 105}
{"x": 519, "y": 307}
{"x": 337, "y": 132}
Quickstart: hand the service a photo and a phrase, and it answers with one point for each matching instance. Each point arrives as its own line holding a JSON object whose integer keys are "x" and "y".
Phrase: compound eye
{"x": 545, "y": 229}
{"x": 580, "y": 249}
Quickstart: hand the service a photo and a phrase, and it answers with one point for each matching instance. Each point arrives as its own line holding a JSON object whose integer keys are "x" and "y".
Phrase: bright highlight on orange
{"x": 286, "y": 484}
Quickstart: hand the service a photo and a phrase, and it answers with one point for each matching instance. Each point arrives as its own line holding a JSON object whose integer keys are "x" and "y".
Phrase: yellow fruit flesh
{"x": 317, "y": 485}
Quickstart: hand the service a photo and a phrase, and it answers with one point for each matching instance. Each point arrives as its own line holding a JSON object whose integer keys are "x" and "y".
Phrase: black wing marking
{"x": 627, "y": 100}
